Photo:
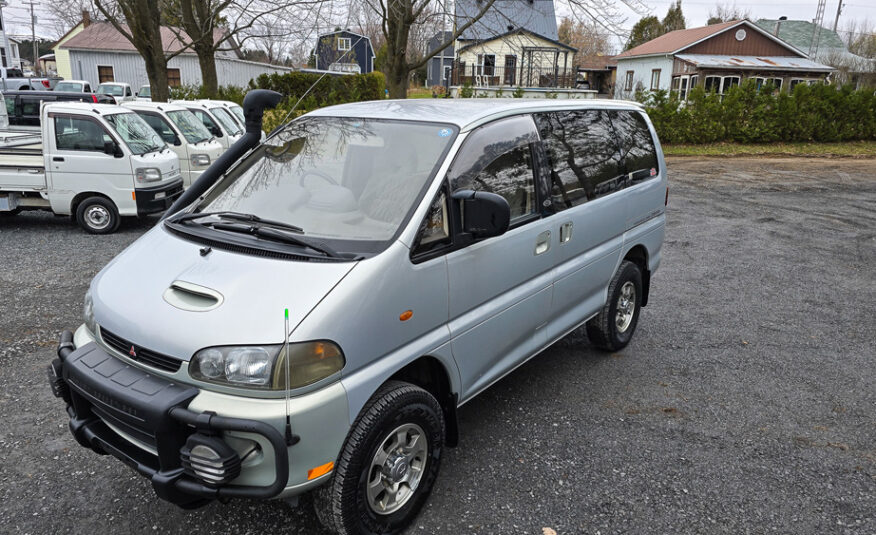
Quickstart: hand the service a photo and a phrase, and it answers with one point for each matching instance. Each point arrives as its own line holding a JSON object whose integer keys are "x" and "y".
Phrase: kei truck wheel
{"x": 97, "y": 215}
{"x": 388, "y": 464}
{"x": 613, "y": 327}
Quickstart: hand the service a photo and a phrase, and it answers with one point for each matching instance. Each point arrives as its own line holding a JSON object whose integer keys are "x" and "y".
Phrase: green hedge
{"x": 745, "y": 115}
{"x": 330, "y": 90}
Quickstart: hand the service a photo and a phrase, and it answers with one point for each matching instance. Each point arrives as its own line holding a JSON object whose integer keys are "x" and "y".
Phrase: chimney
{"x": 779, "y": 24}
{"x": 86, "y": 18}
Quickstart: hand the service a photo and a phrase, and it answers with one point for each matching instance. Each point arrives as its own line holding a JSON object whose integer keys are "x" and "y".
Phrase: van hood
{"x": 130, "y": 298}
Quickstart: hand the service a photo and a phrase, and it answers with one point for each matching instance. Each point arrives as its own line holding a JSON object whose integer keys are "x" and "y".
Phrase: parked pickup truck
{"x": 15, "y": 79}
{"x": 97, "y": 162}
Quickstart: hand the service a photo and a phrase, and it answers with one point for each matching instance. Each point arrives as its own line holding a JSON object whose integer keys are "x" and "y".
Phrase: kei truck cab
{"x": 314, "y": 309}
{"x": 94, "y": 162}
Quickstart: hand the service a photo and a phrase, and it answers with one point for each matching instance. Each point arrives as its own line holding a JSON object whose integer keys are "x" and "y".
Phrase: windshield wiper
{"x": 278, "y": 235}
{"x": 237, "y": 216}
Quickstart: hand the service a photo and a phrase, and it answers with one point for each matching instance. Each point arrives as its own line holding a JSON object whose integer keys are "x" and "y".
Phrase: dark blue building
{"x": 344, "y": 51}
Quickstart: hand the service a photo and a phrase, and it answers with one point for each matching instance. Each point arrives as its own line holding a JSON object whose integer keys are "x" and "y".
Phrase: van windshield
{"x": 192, "y": 129}
{"x": 228, "y": 123}
{"x": 145, "y": 91}
{"x": 238, "y": 112}
{"x": 74, "y": 87}
{"x": 114, "y": 90}
{"x": 348, "y": 179}
{"x": 135, "y": 132}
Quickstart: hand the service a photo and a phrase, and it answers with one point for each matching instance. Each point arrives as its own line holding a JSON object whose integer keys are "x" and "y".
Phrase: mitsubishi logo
{"x": 132, "y": 352}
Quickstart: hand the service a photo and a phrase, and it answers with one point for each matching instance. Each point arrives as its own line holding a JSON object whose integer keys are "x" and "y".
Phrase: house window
{"x": 729, "y": 81}
{"x": 713, "y": 83}
{"x": 447, "y": 71}
{"x": 694, "y": 80}
{"x": 486, "y": 64}
{"x": 344, "y": 43}
{"x": 628, "y": 84}
{"x": 3, "y": 56}
{"x": 682, "y": 87}
{"x": 173, "y": 79}
{"x": 655, "y": 79}
{"x": 105, "y": 74}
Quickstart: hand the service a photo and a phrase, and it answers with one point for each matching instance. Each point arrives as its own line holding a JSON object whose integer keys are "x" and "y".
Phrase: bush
{"x": 747, "y": 115}
{"x": 194, "y": 92}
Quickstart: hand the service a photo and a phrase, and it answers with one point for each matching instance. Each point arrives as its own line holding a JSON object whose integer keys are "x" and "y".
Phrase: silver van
{"x": 314, "y": 315}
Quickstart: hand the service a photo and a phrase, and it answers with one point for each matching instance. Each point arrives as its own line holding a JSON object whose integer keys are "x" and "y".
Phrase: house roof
{"x": 537, "y": 16}
{"x": 367, "y": 39}
{"x": 517, "y": 32}
{"x": 677, "y": 40}
{"x": 798, "y": 33}
{"x": 783, "y": 63}
{"x": 596, "y": 63}
{"x": 104, "y": 36}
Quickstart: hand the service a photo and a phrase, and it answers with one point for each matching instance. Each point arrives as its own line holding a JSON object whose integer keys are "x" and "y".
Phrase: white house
{"x": 9, "y": 56}
{"x": 99, "y": 53}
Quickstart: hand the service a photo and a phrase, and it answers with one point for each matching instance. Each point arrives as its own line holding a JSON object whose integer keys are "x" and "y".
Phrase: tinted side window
{"x": 497, "y": 158}
{"x": 585, "y": 159}
{"x": 637, "y": 146}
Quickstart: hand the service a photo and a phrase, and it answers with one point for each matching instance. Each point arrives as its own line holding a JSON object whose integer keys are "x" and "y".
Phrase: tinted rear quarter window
{"x": 583, "y": 154}
{"x": 637, "y": 145}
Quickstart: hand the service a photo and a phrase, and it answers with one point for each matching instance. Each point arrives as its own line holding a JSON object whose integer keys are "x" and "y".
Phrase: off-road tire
{"x": 89, "y": 212}
{"x": 341, "y": 504}
{"x": 602, "y": 329}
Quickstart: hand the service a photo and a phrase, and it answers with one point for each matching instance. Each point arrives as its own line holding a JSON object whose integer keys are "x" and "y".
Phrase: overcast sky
{"x": 17, "y": 16}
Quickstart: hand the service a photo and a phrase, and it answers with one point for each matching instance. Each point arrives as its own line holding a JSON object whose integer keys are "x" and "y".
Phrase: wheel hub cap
{"x": 396, "y": 469}
{"x": 97, "y": 216}
{"x": 626, "y": 307}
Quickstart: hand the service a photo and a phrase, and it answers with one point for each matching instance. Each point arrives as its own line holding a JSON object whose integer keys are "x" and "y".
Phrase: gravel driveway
{"x": 746, "y": 402}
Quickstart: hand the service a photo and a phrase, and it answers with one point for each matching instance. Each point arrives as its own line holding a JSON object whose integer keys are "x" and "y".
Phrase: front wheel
{"x": 388, "y": 464}
{"x": 613, "y": 327}
{"x": 97, "y": 215}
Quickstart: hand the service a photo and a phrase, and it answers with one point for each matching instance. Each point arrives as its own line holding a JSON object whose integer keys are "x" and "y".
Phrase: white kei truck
{"x": 95, "y": 162}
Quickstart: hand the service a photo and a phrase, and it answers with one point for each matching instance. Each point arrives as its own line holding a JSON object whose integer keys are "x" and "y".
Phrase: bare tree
{"x": 726, "y": 13}
{"x": 143, "y": 30}
{"x": 860, "y": 37}
{"x": 66, "y": 15}
{"x": 588, "y": 37}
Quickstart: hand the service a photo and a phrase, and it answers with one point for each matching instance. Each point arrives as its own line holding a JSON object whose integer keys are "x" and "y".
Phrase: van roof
{"x": 101, "y": 109}
{"x": 464, "y": 113}
{"x": 162, "y": 106}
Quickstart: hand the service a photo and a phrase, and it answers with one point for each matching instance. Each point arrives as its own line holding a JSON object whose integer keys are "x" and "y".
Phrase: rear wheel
{"x": 388, "y": 464}
{"x": 613, "y": 327}
{"x": 97, "y": 215}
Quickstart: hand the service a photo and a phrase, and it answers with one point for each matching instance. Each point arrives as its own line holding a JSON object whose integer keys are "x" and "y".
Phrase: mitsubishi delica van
{"x": 310, "y": 316}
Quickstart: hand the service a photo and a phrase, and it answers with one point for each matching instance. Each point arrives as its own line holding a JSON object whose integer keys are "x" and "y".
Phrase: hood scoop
{"x": 192, "y": 297}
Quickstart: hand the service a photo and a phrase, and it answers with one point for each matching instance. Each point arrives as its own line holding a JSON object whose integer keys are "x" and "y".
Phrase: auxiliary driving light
{"x": 210, "y": 459}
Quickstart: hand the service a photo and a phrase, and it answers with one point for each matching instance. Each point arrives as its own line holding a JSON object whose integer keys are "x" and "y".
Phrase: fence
{"x": 526, "y": 75}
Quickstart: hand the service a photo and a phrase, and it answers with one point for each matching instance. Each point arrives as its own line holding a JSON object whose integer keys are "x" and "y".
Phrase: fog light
{"x": 210, "y": 459}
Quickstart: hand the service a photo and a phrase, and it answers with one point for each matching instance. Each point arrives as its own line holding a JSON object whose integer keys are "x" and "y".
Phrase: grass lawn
{"x": 420, "y": 92}
{"x": 850, "y": 149}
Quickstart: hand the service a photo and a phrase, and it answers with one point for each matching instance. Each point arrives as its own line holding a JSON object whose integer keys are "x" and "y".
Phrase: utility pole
{"x": 839, "y": 9}
{"x": 36, "y": 61}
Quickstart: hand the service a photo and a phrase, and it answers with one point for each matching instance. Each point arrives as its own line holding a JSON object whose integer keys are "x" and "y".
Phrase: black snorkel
{"x": 254, "y": 105}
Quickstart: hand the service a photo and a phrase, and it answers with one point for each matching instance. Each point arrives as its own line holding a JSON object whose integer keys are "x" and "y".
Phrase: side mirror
{"x": 176, "y": 141}
{"x": 110, "y": 147}
{"x": 216, "y": 131}
{"x": 484, "y": 215}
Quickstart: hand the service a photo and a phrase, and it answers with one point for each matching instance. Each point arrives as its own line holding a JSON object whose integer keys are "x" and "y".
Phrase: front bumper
{"x": 159, "y": 198}
{"x": 102, "y": 391}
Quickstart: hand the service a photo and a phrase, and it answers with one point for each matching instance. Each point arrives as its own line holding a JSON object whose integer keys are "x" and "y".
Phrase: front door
{"x": 500, "y": 288}
{"x": 510, "y": 70}
{"x": 78, "y": 161}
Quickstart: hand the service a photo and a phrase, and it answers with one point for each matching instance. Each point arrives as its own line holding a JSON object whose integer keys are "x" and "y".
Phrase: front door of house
{"x": 510, "y": 70}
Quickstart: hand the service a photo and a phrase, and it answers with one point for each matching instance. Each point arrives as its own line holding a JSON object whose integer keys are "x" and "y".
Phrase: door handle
{"x": 543, "y": 243}
{"x": 57, "y": 159}
{"x": 565, "y": 232}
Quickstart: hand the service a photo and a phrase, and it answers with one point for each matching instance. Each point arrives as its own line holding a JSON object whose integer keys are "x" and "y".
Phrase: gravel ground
{"x": 746, "y": 402}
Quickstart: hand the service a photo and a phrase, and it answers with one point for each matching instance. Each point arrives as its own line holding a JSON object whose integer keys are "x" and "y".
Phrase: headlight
{"x": 88, "y": 313}
{"x": 264, "y": 367}
{"x": 200, "y": 159}
{"x": 148, "y": 174}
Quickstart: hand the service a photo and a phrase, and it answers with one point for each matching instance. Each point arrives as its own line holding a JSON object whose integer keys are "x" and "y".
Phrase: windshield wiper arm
{"x": 237, "y": 216}
{"x": 279, "y": 235}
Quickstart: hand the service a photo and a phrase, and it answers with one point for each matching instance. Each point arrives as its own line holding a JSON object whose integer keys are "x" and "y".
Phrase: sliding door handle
{"x": 543, "y": 243}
